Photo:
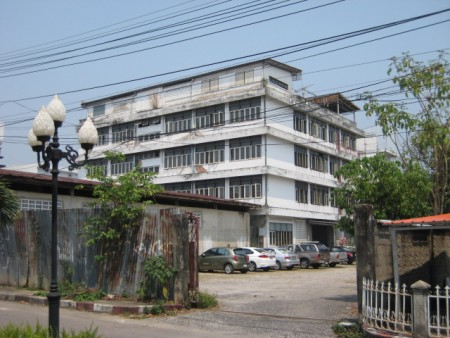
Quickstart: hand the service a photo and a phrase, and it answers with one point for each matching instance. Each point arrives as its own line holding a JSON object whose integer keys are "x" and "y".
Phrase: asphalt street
{"x": 298, "y": 303}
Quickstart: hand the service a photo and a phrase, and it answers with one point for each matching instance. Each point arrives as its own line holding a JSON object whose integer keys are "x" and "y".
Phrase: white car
{"x": 258, "y": 258}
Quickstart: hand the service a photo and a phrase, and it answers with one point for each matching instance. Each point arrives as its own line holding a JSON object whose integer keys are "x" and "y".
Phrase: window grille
{"x": 121, "y": 168}
{"x": 301, "y": 192}
{"x": 300, "y": 122}
{"x": 319, "y": 195}
{"x": 36, "y": 204}
{"x": 319, "y": 161}
{"x": 301, "y": 157}
{"x": 210, "y": 156}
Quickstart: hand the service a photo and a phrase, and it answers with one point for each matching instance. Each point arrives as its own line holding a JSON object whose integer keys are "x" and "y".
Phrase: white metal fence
{"x": 388, "y": 306}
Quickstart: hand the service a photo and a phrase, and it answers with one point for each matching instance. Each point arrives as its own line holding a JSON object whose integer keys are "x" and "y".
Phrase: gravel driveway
{"x": 297, "y": 303}
{"x": 323, "y": 294}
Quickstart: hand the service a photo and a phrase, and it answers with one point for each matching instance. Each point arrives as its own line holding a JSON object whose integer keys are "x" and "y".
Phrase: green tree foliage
{"x": 9, "y": 205}
{"x": 421, "y": 132}
{"x": 122, "y": 201}
{"x": 394, "y": 193}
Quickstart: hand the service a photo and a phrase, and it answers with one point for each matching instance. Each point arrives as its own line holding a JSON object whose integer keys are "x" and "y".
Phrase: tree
{"x": 421, "y": 136}
{"x": 9, "y": 205}
{"x": 394, "y": 193}
{"x": 122, "y": 201}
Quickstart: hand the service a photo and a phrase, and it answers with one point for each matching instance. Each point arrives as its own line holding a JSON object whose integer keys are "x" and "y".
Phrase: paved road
{"x": 298, "y": 303}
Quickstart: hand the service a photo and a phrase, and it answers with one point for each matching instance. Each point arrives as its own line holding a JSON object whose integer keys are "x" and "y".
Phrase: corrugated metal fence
{"x": 25, "y": 252}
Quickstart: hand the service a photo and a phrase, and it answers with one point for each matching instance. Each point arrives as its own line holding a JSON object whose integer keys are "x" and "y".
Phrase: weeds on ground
{"x": 206, "y": 300}
{"x": 13, "y": 331}
{"x": 348, "y": 331}
{"x": 77, "y": 292}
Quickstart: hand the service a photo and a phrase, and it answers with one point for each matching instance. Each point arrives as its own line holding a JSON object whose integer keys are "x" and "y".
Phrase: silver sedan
{"x": 285, "y": 259}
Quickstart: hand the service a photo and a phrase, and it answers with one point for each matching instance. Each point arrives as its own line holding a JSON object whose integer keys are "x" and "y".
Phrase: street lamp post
{"x": 45, "y": 126}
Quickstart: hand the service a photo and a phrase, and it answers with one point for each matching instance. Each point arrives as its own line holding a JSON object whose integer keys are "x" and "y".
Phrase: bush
{"x": 206, "y": 300}
{"x": 13, "y": 331}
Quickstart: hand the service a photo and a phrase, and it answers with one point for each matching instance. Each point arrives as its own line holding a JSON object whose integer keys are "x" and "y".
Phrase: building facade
{"x": 238, "y": 133}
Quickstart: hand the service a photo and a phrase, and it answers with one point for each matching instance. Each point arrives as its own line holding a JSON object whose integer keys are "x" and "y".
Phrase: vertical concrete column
{"x": 364, "y": 224}
{"x": 420, "y": 291}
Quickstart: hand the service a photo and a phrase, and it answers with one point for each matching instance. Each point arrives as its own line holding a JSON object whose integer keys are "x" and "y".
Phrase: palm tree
{"x": 9, "y": 204}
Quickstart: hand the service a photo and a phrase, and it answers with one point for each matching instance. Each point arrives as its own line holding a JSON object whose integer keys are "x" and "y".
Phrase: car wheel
{"x": 332, "y": 265}
{"x": 244, "y": 271}
{"x": 315, "y": 266}
{"x": 304, "y": 263}
{"x": 252, "y": 267}
{"x": 228, "y": 268}
{"x": 277, "y": 266}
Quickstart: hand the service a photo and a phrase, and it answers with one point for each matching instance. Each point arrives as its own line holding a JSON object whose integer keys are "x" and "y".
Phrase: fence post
{"x": 420, "y": 290}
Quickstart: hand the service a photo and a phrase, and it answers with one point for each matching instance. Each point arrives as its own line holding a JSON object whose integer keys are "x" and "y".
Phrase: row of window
{"x": 239, "y": 188}
{"x": 326, "y": 132}
{"x": 316, "y": 160}
{"x": 37, "y": 204}
{"x": 307, "y": 193}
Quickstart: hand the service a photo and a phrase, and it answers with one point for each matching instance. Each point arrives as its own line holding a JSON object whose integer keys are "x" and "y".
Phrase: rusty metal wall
{"x": 25, "y": 252}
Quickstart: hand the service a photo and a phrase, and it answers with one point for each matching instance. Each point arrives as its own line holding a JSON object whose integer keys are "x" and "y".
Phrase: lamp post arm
{"x": 71, "y": 155}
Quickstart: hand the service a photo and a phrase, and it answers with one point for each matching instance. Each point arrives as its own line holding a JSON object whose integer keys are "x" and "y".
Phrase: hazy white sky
{"x": 33, "y": 29}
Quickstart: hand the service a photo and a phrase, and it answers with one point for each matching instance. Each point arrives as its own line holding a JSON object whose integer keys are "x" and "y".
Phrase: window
{"x": 103, "y": 136}
{"x": 333, "y": 198}
{"x": 97, "y": 166}
{"x": 333, "y": 134}
{"x": 36, "y": 204}
{"x": 301, "y": 192}
{"x": 210, "y": 153}
{"x": 245, "y": 148}
{"x": 121, "y": 168}
{"x": 177, "y": 158}
{"x": 300, "y": 122}
{"x": 179, "y": 187}
{"x": 318, "y": 129}
{"x": 123, "y": 132}
{"x": 301, "y": 157}
{"x": 210, "y": 116}
{"x": 147, "y": 155}
{"x": 244, "y": 77}
{"x": 278, "y": 82}
{"x": 319, "y": 161}
{"x": 99, "y": 110}
{"x": 210, "y": 85}
{"x": 319, "y": 195}
{"x": 152, "y": 169}
{"x": 280, "y": 233}
{"x": 149, "y": 122}
{"x": 214, "y": 188}
{"x": 246, "y": 187}
{"x": 348, "y": 140}
{"x": 334, "y": 165}
{"x": 179, "y": 122}
{"x": 149, "y": 137}
{"x": 245, "y": 110}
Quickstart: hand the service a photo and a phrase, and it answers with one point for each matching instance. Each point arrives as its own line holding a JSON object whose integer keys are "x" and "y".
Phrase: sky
{"x": 59, "y": 47}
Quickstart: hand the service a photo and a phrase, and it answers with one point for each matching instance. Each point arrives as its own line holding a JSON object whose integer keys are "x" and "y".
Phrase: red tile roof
{"x": 427, "y": 219}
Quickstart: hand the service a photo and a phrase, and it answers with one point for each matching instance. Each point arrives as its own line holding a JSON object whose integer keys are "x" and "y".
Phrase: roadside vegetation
{"x": 416, "y": 182}
{"x": 26, "y": 331}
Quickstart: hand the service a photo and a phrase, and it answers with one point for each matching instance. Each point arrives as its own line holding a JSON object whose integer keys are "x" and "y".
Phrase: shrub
{"x": 206, "y": 300}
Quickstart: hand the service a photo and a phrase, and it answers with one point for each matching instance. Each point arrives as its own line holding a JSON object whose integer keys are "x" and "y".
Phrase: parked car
{"x": 226, "y": 259}
{"x": 285, "y": 259}
{"x": 337, "y": 255}
{"x": 351, "y": 254}
{"x": 258, "y": 258}
{"x": 313, "y": 254}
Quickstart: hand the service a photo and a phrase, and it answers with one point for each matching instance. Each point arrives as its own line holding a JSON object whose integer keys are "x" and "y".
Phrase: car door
{"x": 207, "y": 259}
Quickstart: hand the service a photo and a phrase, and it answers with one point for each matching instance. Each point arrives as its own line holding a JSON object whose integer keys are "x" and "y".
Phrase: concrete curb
{"x": 115, "y": 309}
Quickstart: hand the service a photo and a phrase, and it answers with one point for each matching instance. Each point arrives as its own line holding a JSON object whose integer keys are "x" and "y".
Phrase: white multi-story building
{"x": 237, "y": 133}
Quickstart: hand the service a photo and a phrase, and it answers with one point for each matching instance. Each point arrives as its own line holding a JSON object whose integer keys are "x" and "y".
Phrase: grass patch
{"x": 348, "y": 330}
{"x": 26, "y": 331}
{"x": 206, "y": 300}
